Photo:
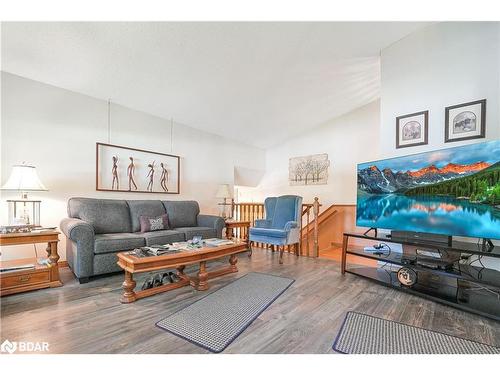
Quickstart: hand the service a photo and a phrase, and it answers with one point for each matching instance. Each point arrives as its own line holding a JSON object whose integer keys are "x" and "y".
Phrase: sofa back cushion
{"x": 105, "y": 215}
{"x": 182, "y": 213}
{"x": 149, "y": 208}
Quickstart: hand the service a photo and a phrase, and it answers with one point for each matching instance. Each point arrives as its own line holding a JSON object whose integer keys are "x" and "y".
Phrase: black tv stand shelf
{"x": 461, "y": 280}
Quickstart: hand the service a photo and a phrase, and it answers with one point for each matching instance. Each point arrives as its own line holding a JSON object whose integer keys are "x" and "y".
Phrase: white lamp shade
{"x": 223, "y": 191}
{"x": 24, "y": 178}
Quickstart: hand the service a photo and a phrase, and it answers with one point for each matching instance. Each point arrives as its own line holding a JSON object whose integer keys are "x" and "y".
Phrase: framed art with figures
{"x": 465, "y": 121}
{"x": 412, "y": 130}
{"x": 126, "y": 169}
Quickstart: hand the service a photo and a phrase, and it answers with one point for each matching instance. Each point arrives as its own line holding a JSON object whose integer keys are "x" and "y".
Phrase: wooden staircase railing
{"x": 254, "y": 211}
{"x": 311, "y": 230}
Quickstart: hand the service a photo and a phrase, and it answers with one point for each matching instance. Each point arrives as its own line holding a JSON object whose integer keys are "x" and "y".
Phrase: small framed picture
{"x": 412, "y": 130}
{"x": 465, "y": 121}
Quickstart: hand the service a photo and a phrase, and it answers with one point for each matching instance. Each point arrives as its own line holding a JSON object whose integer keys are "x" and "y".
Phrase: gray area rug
{"x": 214, "y": 321}
{"x": 365, "y": 334}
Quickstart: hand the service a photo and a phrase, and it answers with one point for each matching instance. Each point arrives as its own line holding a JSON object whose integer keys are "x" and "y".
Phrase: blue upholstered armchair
{"x": 282, "y": 224}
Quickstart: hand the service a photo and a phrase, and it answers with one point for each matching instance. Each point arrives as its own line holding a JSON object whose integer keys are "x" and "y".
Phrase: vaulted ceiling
{"x": 253, "y": 82}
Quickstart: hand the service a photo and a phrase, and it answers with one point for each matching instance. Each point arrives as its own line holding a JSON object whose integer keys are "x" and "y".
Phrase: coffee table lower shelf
{"x": 133, "y": 265}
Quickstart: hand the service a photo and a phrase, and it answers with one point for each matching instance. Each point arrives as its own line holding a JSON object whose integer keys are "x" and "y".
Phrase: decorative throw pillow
{"x": 150, "y": 224}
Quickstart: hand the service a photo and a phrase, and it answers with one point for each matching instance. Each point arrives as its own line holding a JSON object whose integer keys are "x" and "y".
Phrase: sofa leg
{"x": 282, "y": 250}
{"x": 83, "y": 280}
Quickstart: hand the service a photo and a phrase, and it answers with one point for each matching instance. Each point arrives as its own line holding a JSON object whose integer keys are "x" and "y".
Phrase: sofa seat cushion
{"x": 114, "y": 242}
{"x": 204, "y": 232}
{"x": 162, "y": 237}
{"x": 264, "y": 232}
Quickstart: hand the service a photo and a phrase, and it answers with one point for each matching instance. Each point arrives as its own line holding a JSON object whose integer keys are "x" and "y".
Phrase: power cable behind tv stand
{"x": 487, "y": 245}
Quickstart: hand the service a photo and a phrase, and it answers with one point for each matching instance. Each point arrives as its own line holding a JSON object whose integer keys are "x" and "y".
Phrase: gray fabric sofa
{"x": 97, "y": 229}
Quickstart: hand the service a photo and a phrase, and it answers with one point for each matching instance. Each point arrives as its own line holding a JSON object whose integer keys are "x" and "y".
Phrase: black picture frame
{"x": 482, "y": 133}
{"x": 426, "y": 129}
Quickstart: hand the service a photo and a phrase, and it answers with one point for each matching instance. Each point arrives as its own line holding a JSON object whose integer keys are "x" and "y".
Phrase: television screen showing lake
{"x": 454, "y": 191}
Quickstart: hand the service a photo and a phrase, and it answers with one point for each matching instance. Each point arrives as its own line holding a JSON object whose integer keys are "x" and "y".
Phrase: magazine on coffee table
{"x": 155, "y": 250}
{"x": 214, "y": 242}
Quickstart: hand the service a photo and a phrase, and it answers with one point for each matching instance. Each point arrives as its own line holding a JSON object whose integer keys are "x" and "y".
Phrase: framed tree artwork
{"x": 412, "y": 130}
{"x": 308, "y": 170}
{"x": 126, "y": 169}
{"x": 465, "y": 121}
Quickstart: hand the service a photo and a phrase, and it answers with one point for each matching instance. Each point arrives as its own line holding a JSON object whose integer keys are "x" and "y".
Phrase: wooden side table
{"x": 39, "y": 277}
{"x": 244, "y": 225}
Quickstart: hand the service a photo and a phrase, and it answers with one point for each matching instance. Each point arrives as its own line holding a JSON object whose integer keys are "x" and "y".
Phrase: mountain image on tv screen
{"x": 454, "y": 191}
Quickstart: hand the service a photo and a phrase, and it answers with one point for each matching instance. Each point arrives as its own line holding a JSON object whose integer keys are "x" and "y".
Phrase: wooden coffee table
{"x": 132, "y": 264}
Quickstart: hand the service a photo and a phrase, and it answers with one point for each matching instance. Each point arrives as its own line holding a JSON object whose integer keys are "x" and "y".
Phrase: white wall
{"x": 441, "y": 65}
{"x": 56, "y": 130}
{"x": 348, "y": 140}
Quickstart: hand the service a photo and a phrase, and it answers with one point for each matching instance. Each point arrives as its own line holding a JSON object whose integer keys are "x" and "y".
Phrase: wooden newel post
{"x": 316, "y": 214}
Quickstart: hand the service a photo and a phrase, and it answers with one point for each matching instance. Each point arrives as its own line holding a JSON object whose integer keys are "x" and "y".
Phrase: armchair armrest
{"x": 262, "y": 223}
{"x": 212, "y": 221}
{"x": 291, "y": 225}
{"x": 81, "y": 236}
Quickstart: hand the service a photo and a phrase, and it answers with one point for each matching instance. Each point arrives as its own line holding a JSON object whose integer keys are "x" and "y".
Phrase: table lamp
{"x": 224, "y": 192}
{"x": 24, "y": 211}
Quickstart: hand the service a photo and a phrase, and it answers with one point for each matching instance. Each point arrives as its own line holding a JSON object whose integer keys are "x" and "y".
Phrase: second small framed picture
{"x": 412, "y": 129}
{"x": 465, "y": 121}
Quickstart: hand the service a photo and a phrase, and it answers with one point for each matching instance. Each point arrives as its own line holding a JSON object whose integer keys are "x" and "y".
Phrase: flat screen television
{"x": 452, "y": 192}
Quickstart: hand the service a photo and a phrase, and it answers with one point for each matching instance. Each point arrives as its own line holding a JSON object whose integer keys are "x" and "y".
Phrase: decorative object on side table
{"x": 146, "y": 171}
{"x": 22, "y": 275}
{"x": 465, "y": 121}
{"x": 24, "y": 212}
{"x": 224, "y": 192}
{"x": 412, "y": 130}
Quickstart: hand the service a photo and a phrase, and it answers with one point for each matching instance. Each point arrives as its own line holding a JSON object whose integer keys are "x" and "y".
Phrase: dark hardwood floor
{"x": 89, "y": 318}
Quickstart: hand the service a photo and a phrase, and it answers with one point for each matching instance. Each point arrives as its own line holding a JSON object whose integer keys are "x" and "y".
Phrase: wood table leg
{"x": 128, "y": 289}
{"x": 250, "y": 250}
{"x": 232, "y": 261}
{"x": 181, "y": 274}
{"x": 202, "y": 277}
{"x": 229, "y": 233}
{"x": 344, "y": 254}
{"x": 54, "y": 258}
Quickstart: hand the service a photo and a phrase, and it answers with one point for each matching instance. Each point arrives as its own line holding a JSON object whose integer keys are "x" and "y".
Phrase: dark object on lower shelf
{"x": 445, "y": 278}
